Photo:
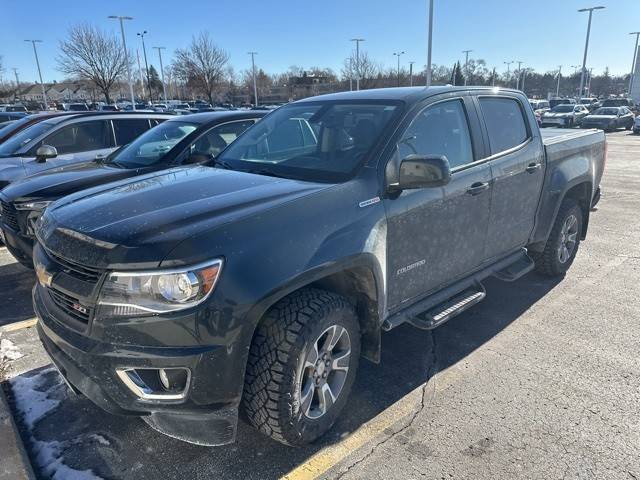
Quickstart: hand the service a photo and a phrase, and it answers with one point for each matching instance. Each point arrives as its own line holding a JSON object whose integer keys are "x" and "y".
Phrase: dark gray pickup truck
{"x": 256, "y": 283}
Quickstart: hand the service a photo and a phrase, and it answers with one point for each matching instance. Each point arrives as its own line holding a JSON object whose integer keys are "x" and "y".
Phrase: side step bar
{"x": 449, "y": 309}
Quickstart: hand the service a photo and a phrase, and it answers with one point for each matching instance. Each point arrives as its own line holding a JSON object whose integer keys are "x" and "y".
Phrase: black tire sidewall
{"x": 571, "y": 208}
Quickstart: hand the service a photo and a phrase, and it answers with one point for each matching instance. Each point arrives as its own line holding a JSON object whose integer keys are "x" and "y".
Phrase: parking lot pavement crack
{"x": 430, "y": 381}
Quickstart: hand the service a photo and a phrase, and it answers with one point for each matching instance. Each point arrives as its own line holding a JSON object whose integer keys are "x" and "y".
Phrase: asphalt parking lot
{"x": 539, "y": 381}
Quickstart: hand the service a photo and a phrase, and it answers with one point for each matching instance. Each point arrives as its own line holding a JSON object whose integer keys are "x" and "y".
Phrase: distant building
{"x": 63, "y": 92}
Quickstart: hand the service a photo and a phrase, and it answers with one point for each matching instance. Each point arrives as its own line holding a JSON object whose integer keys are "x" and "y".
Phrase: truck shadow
{"x": 16, "y": 283}
{"x": 127, "y": 448}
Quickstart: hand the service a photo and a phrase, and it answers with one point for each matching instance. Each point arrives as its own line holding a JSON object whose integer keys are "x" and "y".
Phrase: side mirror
{"x": 44, "y": 152}
{"x": 419, "y": 171}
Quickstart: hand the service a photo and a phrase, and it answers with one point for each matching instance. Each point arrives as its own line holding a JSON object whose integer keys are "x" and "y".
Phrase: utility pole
{"x": 126, "y": 56}
{"x": 519, "y": 62}
{"x": 146, "y": 65}
{"x": 399, "y": 54}
{"x": 357, "y": 40}
{"x": 466, "y": 65}
{"x": 35, "y": 52}
{"x": 253, "y": 69}
{"x": 411, "y": 73}
{"x": 558, "y": 84}
{"x": 586, "y": 46}
{"x": 633, "y": 65}
{"x": 164, "y": 88}
{"x": 15, "y": 72}
{"x": 429, "y": 43}
{"x": 508, "y": 64}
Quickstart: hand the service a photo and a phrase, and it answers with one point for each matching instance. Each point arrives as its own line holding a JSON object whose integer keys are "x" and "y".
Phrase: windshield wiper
{"x": 267, "y": 173}
{"x": 219, "y": 163}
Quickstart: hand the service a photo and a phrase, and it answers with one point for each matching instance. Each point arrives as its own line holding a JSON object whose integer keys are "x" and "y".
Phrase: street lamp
{"x": 164, "y": 88}
{"x": 466, "y": 65}
{"x": 253, "y": 69}
{"x": 35, "y": 52}
{"x": 146, "y": 65}
{"x": 633, "y": 65}
{"x": 411, "y": 73}
{"x": 508, "y": 64}
{"x": 15, "y": 72}
{"x": 586, "y": 44}
{"x": 519, "y": 74}
{"x": 126, "y": 56}
{"x": 558, "y": 84}
{"x": 429, "y": 43}
{"x": 399, "y": 54}
{"x": 357, "y": 40}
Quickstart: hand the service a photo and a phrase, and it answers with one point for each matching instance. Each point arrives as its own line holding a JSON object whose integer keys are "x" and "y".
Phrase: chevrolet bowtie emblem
{"x": 44, "y": 277}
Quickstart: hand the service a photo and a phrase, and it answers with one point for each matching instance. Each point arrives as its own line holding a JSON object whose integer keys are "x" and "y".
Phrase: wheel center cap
{"x": 320, "y": 368}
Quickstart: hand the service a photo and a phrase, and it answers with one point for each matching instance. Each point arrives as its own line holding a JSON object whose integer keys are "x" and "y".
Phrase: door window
{"x": 128, "y": 129}
{"x": 440, "y": 129}
{"x": 215, "y": 140}
{"x": 505, "y": 123}
{"x": 81, "y": 137}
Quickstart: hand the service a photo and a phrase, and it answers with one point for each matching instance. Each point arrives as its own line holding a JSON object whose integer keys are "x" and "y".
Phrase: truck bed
{"x": 555, "y": 135}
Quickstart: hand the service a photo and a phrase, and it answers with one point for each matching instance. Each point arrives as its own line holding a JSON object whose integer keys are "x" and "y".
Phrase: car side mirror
{"x": 423, "y": 171}
{"x": 44, "y": 152}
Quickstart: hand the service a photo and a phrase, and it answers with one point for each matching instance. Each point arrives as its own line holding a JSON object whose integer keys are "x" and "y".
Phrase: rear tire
{"x": 563, "y": 242}
{"x": 296, "y": 384}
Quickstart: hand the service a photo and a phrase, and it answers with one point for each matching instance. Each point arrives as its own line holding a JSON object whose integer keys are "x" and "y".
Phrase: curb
{"x": 14, "y": 464}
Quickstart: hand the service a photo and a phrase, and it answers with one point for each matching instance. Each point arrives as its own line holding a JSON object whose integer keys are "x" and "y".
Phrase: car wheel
{"x": 301, "y": 367}
{"x": 563, "y": 242}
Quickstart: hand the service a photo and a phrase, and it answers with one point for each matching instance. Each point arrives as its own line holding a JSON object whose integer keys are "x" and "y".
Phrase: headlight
{"x": 161, "y": 291}
{"x": 36, "y": 206}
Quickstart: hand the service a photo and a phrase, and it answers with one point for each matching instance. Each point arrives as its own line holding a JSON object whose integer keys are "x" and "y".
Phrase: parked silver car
{"x": 564, "y": 115}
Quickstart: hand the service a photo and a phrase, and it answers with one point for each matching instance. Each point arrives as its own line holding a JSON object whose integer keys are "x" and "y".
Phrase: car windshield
{"x": 150, "y": 147}
{"x": 562, "y": 109}
{"x": 20, "y": 139}
{"x": 606, "y": 111}
{"x": 316, "y": 141}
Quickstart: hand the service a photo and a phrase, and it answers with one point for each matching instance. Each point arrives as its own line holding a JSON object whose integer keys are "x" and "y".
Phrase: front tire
{"x": 563, "y": 242}
{"x": 301, "y": 367}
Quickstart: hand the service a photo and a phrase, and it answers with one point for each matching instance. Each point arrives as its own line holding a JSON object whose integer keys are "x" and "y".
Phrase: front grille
{"x": 87, "y": 274}
{"x": 10, "y": 215}
{"x": 71, "y": 306}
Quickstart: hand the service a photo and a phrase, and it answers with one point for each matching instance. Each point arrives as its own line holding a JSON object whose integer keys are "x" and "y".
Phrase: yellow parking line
{"x": 329, "y": 456}
{"x": 12, "y": 327}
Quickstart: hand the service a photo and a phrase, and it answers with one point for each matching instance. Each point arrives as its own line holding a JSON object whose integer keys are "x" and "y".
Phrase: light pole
{"x": 253, "y": 69}
{"x": 350, "y": 74}
{"x": 466, "y": 64}
{"x": 164, "y": 88}
{"x": 357, "y": 40}
{"x": 399, "y": 54}
{"x": 126, "y": 56}
{"x": 15, "y": 72}
{"x": 586, "y": 45}
{"x": 558, "y": 84}
{"x": 411, "y": 73}
{"x": 35, "y": 52}
{"x": 429, "y": 43}
{"x": 493, "y": 77}
{"x": 519, "y": 62}
{"x": 508, "y": 64}
{"x": 140, "y": 77}
{"x": 633, "y": 65}
{"x": 146, "y": 65}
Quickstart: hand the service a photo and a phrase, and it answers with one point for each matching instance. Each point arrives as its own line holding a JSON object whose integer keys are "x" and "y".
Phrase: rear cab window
{"x": 505, "y": 123}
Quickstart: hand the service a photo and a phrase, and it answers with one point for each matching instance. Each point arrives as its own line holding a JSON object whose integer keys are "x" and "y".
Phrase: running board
{"x": 449, "y": 309}
{"x": 517, "y": 269}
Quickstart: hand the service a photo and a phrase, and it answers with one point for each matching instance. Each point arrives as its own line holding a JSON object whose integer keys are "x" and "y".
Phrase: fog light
{"x": 156, "y": 383}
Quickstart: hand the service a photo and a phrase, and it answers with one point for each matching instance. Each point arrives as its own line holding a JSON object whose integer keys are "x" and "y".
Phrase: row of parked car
{"x": 608, "y": 115}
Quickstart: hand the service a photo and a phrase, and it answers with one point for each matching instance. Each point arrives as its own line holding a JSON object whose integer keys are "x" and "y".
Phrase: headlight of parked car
{"x": 35, "y": 210}
{"x": 161, "y": 291}
{"x": 35, "y": 206}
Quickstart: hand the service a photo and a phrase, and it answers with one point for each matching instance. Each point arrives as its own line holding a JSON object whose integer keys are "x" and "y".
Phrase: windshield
{"x": 315, "y": 141}
{"x": 615, "y": 103}
{"x": 606, "y": 111}
{"x": 562, "y": 109}
{"x": 153, "y": 145}
{"x": 20, "y": 139}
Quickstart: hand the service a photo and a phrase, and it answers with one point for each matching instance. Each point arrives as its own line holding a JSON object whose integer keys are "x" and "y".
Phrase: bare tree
{"x": 202, "y": 64}
{"x": 368, "y": 69}
{"x": 91, "y": 54}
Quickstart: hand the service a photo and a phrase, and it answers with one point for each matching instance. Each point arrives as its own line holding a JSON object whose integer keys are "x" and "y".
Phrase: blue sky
{"x": 542, "y": 33}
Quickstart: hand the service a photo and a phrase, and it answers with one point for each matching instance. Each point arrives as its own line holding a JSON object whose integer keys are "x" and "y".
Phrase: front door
{"x": 436, "y": 235}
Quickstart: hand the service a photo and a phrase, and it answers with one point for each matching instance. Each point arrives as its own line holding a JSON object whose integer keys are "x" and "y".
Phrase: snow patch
{"x": 49, "y": 456}
{"x": 32, "y": 397}
{"x": 8, "y": 351}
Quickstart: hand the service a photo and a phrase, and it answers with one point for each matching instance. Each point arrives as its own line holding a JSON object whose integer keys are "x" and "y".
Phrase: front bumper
{"x": 206, "y": 416}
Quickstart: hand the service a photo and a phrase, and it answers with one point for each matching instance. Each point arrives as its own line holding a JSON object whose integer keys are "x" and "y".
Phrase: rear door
{"x": 436, "y": 235}
{"x": 517, "y": 167}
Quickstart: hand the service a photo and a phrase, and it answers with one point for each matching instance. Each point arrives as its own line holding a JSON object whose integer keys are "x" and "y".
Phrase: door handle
{"x": 477, "y": 188}
{"x": 533, "y": 167}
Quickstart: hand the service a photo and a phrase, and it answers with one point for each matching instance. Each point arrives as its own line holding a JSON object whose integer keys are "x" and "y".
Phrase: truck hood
{"x": 135, "y": 223}
{"x": 58, "y": 182}
{"x": 8, "y": 164}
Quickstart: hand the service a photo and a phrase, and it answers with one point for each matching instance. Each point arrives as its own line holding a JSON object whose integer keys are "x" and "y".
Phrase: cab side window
{"x": 81, "y": 137}
{"x": 128, "y": 129}
{"x": 215, "y": 140}
{"x": 440, "y": 129}
{"x": 505, "y": 123}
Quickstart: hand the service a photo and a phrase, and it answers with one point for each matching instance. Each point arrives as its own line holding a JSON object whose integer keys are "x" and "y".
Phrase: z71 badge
{"x": 371, "y": 201}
